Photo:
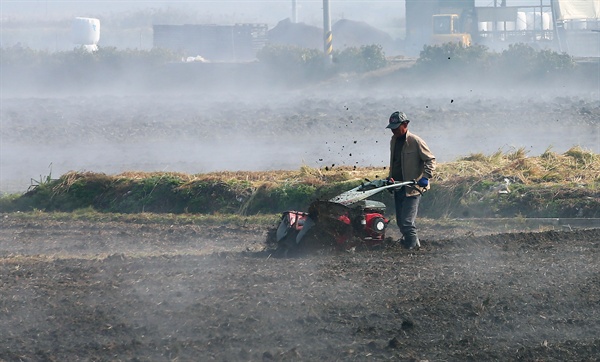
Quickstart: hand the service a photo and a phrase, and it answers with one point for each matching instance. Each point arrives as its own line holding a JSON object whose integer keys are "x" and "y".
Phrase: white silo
{"x": 546, "y": 21}
{"x": 521, "y": 20}
{"x": 531, "y": 21}
{"x": 86, "y": 32}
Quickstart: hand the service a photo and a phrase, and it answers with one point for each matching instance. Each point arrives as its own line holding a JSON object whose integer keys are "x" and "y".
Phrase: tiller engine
{"x": 345, "y": 221}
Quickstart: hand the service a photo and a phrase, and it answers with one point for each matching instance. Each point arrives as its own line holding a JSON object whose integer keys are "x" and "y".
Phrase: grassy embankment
{"x": 549, "y": 185}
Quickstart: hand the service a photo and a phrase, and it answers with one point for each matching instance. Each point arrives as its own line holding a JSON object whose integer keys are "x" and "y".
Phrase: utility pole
{"x": 327, "y": 35}
{"x": 294, "y": 12}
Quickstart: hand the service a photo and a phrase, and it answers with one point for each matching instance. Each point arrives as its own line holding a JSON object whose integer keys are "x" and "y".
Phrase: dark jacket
{"x": 417, "y": 161}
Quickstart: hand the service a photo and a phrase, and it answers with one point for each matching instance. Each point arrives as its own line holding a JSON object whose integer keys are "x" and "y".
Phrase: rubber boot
{"x": 411, "y": 242}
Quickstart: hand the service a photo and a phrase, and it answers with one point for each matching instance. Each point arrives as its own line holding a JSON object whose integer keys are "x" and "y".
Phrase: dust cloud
{"x": 258, "y": 129}
{"x": 254, "y": 123}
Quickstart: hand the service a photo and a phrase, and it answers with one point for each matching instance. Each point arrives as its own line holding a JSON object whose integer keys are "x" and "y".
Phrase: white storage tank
{"x": 86, "y": 32}
{"x": 530, "y": 21}
{"x": 521, "y": 20}
{"x": 546, "y": 22}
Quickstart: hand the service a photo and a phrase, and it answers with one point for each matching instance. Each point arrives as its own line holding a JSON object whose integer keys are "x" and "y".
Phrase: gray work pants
{"x": 406, "y": 213}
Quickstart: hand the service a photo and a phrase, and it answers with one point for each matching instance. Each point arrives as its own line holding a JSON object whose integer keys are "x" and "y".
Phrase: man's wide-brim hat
{"x": 396, "y": 119}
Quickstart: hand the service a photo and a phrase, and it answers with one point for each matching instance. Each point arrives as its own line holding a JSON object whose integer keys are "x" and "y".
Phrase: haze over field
{"x": 44, "y": 24}
{"x": 178, "y": 287}
{"x": 253, "y": 126}
{"x": 197, "y": 133}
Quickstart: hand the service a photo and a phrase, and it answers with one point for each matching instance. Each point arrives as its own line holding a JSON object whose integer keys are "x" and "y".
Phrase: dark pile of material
{"x": 346, "y": 33}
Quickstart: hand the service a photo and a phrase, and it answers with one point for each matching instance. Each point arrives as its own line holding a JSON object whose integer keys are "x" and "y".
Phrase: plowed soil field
{"x": 130, "y": 292}
{"x": 110, "y": 291}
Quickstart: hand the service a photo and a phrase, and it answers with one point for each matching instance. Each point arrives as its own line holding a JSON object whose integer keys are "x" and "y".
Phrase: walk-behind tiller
{"x": 345, "y": 221}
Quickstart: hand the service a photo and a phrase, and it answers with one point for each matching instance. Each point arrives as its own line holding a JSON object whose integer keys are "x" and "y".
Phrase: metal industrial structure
{"x": 215, "y": 43}
{"x": 562, "y": 25}
{"x": 577, "y": 26}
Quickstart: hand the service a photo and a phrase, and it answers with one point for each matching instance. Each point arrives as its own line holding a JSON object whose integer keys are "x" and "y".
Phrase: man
{"x": 410, "y": 159}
